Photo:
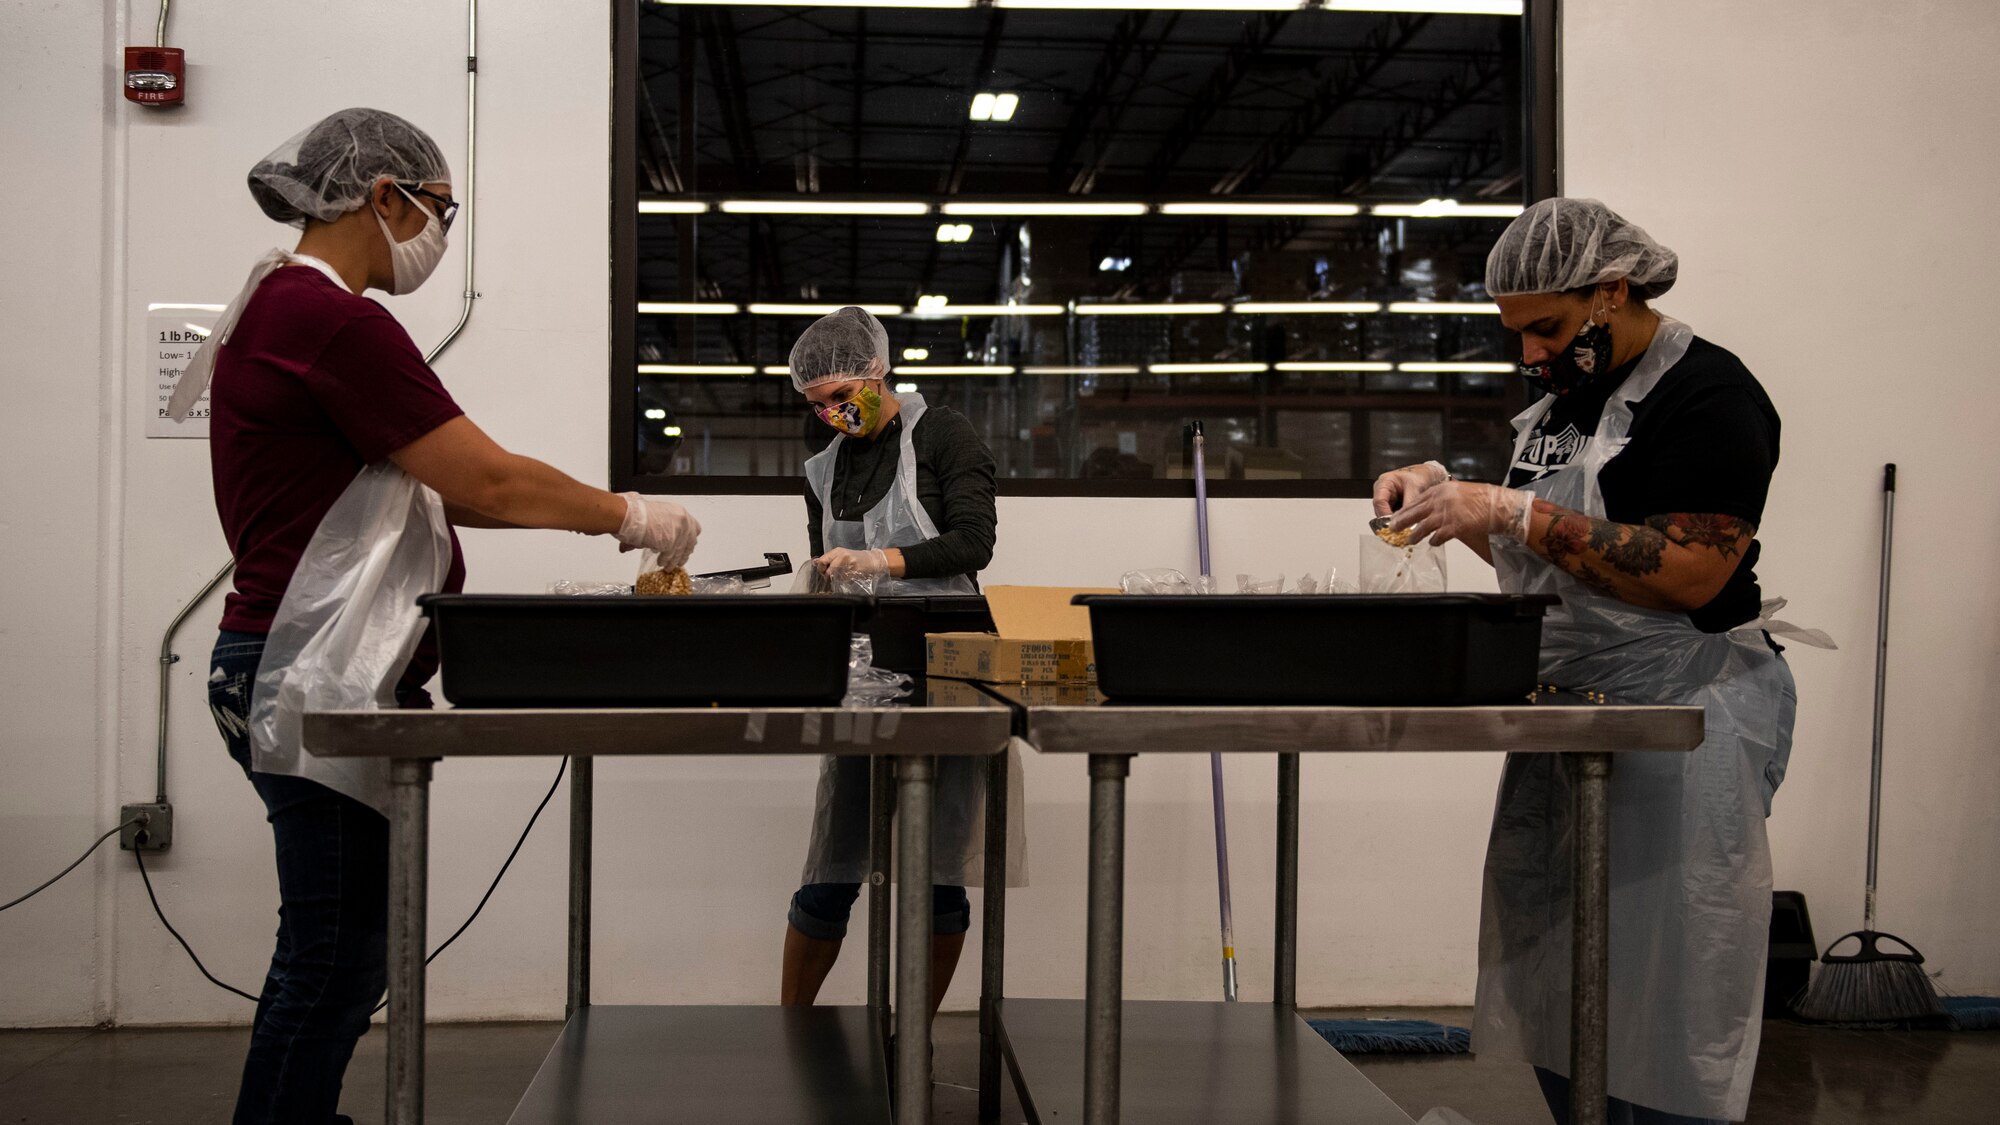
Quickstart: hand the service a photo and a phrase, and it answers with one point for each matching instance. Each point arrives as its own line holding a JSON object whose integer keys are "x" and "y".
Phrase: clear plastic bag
{"x": 1415, "y": 569}
{"x": 585, "y": 589}
{"x": 1246, "y": 584}
{"x": 1165, "y": 580}
{"x": 727, "y": 584}
{"x": 867, "y": 685}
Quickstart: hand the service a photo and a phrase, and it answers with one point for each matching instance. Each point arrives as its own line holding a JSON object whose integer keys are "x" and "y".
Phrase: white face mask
{"x": 414, "y": 260}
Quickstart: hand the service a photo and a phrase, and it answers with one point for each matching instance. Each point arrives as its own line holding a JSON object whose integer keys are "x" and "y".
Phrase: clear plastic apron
{"x": 839, "y": 849}
{"x": 1690, "y": 862}
{"x": 349, "y": 623}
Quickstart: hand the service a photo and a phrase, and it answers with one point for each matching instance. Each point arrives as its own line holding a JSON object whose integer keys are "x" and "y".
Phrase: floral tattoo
{"x": 1598, "y": 552}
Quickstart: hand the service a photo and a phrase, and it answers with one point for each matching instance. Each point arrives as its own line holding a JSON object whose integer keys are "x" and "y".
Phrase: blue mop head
{"x": 1389, "y": 1037}
{"x": 1974, "y": 1013}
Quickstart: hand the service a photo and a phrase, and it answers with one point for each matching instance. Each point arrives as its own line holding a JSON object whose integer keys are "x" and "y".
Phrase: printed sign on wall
{"x": 173, "y": 332}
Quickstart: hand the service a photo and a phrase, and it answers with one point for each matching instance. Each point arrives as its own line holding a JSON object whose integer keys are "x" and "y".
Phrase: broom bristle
{"x": 1870, "y": 992}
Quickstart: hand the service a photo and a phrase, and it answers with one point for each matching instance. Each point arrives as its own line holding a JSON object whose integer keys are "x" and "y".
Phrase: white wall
{"x": 1815, "y": 165}
{"x": 1778, "y": 151}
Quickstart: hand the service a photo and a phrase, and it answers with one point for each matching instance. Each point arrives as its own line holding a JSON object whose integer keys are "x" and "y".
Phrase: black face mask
{"x": 1588, "y": 355}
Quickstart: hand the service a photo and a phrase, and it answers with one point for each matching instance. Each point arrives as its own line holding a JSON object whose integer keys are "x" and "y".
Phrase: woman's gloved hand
{"x": 843, "y": 563}
{"x": 1395, "y": 489}
{"x": 658, "y": 525}
{"x": 1455, "y": 509}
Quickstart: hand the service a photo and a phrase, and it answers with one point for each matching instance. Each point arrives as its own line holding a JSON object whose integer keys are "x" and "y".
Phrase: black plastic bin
{"x": 900, "y": 624}
{"x": 1342, "y": 649}
{"x": 1793, "y": 951}
{"x": 563, "y": 651}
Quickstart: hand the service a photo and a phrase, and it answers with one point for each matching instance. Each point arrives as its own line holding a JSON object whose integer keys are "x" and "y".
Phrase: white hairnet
{"x": 847, "y": 344}
{"x": 1563, "y": 244}
{"x": 328, "y": 170}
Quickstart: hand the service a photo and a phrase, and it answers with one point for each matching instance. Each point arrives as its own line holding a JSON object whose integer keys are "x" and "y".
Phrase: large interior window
{"x": 1085, "y": 226}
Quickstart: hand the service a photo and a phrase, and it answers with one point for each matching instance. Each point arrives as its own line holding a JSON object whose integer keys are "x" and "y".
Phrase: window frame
{"x": 1541, "y": 140}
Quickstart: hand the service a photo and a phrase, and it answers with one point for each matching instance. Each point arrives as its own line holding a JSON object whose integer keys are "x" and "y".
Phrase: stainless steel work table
{"x": 1588, "y": 735}
{"x": 621, "y": 1065}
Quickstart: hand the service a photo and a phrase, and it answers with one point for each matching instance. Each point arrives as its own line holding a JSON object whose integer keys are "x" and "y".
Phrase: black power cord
{"x": 57, "y": 877}
{"x": 139, "y": 854}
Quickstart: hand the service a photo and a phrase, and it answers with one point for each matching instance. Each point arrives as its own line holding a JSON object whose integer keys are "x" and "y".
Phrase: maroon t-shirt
{"x": 315, "y": 384}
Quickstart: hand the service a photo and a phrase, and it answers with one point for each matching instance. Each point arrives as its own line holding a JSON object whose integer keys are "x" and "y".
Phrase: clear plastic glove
{"x": 1455, "y": 509}
{"x": 1398, "y": 487}
{"x": 841, "y": 563}
{"x": 658, "y": 525}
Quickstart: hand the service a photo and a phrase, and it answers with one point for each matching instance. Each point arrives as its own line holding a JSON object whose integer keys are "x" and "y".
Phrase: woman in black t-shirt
{"x": 1634, "y": 495}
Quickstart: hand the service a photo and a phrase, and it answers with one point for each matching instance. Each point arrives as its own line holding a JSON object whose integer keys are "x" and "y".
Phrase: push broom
{"x": 1214, "y": 758}
{"x": 1870, "y": 985}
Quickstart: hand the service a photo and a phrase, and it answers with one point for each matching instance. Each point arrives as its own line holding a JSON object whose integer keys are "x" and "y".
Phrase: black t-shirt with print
{"x": 1705, "y": 440}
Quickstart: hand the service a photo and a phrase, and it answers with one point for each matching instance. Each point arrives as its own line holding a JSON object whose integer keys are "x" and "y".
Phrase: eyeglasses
{"x": 449, "y": 204}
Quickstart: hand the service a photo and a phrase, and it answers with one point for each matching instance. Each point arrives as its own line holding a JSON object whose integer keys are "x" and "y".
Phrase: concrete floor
{"x": 1805, "y": 1076}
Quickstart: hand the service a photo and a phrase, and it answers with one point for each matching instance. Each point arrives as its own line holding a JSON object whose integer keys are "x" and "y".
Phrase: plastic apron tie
{"x": 201, "y": 366}
{"x": 838, "y": 852}
{"x": 1690, "y": 862}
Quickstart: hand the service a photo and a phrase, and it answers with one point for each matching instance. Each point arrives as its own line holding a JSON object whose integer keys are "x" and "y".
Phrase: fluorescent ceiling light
{"x": 1149, "y": 310}
{"x": 1448, "y": 209}
{"x": 1445, "y": 308}
{"x": 820, "y": 310}
{"x": 1497, "y": 368}
{"x": 689, "y": 308}
{"x": 954, "y": 371}
{"x": 1357, "y": 365}
{"x": 670, "y": 431}
{"x": 656, "y": 415}
{"x": 994, "y": 107}
{"x": 1114, "y": 265}
{"x": 916, "y": 355}
{"x": 1435, "y": 7}
{"x": 186, "y": 308}
{"x": 695, "y": 369}
{"x": 1079, "y": 371}
{"x": 672, "y": 206}
{"x": 777, "y": 371}
{"x": 1303, "y": 209}
{"x": 823, "y": 3}
{"x": 1156, "y": 5}
{"x": 944, "y": 310}
{"x": 954, "y": 232}
{"x": 823, "y": 207}
{"x": 932, "y": 301}
{"x": 906, "y": 388}
{"x": 1308, "y": 306}
{"x": 1027, "y": 209}
{"x": 1206, "y": 368}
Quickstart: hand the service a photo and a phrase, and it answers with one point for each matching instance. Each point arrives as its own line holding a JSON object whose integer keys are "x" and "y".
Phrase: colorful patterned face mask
{"x": 1588, "y": 354}
{"x": 856, "y": 417}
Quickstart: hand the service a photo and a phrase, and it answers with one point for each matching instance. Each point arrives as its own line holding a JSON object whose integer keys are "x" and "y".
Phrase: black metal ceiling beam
{"x": 1339, "y": 89}
{"x": 1110, "y": 64}
{"x": 856, "y": 121}
{"x": 725, "y": 68}
{"x": 1258, "y": 34}
{"x": 1460, "y": 89}
{"x": 989, "y": 49}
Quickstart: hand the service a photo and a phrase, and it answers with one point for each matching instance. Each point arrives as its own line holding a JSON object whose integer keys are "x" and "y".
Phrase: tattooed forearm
{"x": 1726, "y": 535}
{"x": 1678, "y": 560}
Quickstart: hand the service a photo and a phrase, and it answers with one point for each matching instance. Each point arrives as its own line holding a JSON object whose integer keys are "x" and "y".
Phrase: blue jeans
{"x": 821, "y": 910}
{"x": 1555, "y": 1090}
{"x": 331, "y": 962}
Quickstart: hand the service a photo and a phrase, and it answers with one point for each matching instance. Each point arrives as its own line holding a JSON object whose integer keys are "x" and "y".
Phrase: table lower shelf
{"x": 650, "y": 1065}
{"x": 1194, "y": 1062}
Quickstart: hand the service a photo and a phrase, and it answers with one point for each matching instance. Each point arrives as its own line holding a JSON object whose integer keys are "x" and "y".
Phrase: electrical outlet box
{"x": 155, "y": 822}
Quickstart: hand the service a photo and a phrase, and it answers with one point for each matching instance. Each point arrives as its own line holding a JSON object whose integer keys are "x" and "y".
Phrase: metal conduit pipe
{"x": 167, "y": 656}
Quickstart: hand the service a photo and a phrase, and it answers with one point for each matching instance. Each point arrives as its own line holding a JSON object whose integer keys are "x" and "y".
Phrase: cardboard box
{"x": 1041, "y": 639}
{"x": 941, "y": 692}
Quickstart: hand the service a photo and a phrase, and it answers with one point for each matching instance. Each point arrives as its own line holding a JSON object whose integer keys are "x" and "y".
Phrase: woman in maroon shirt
{"x": 320, "y": 397}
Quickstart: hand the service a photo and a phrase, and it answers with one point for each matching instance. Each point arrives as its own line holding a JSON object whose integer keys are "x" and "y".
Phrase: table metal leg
{"x": 915, "y": 777}
{"x": 1285, "y": 954}
{"x": 1590, "y": 951}
{"x": 409, "y": 865}
{"x": 1104, "y": 984}
{"x": 881, "y": 816}
{"x": 993, "y": 939}
{"x": 582, "y": 794}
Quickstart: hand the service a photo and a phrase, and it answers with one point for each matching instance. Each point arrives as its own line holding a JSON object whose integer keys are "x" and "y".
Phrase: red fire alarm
{"x": 155, "y": 76}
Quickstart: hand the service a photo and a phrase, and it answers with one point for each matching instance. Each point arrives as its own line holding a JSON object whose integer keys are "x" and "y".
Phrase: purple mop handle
{"x": 1201, "y": 500}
